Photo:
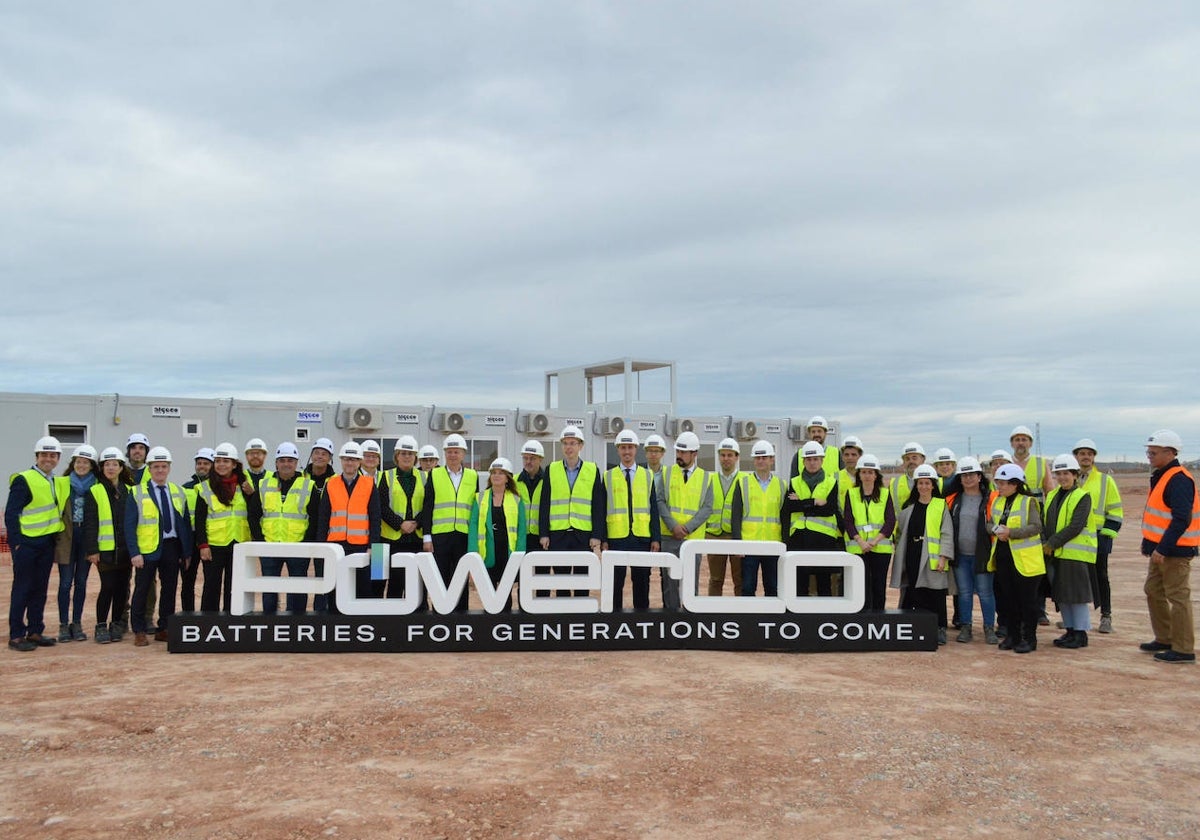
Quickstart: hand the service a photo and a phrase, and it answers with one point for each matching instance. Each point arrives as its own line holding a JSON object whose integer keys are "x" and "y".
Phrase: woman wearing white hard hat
{"x": 499, "y": 522}
{"x": 105, "y": 542}
{"x": 967, "y": 498}
{"x": 1017, "y": 559}
{"x": 870, "y": 521}
{"x": 924, "y": 545}
{"x": 1070, "y": 548}
{"x": 372, "y": 454}
{"x": 70, "y": 553}
{"x": 222, "y": 521}
{"x": 428, "y": 458}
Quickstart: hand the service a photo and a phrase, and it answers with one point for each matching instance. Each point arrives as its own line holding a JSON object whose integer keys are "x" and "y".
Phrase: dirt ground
{"x": 116, "y": 741}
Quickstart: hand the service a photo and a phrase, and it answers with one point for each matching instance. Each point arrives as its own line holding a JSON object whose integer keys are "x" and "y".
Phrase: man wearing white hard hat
{"x": 1037, "y": 477}
{"x": 450, "y": 493}
{"x": 158, "y": 531}
{"x": 284, "y": 510}
{"x": 572, "y": 513}
{"x": 755, "y": 515}
{"x": 685, "y": 502}
{"x": 349, "y": 515}
{"x": 724, "y": 480}
{"x": 320, "y": 464}
{"x": 137, "y": 446}
{"x": 33, "y": 517}
{"x": 190, "y": 566}
{"x": 852, "y": 450}
{"x": 255, "y": 464}
{"x": 1170, "y": 536}
{"x": 817, "y": 431}
{"x": 401, "y": 500}
{"x": 530, "y": 485}
{"x": 899, "y": 488}
{"x": 655, "y": 448}
{"x": 1108, "y": 514}
{"x": 811, "y": 519}
{"x": 945, "y": 462}
{"x": 632, "y": 521}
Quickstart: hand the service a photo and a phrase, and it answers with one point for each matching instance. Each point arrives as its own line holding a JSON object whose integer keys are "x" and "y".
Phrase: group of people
{"x": 1034, "y": 530}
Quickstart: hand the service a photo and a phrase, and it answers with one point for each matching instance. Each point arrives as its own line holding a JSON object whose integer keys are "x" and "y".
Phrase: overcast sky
{"x": 928, "y": 220}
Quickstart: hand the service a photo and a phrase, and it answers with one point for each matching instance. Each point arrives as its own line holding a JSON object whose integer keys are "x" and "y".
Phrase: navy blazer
{"x": 183, "y": 527}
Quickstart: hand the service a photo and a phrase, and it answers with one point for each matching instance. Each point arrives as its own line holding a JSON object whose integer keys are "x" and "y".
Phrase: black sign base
{"x": 431, "y": 633}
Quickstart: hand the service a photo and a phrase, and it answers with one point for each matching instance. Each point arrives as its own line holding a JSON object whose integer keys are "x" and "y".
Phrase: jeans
{"x": 971, "y": 584}
{"x": 75, "y": 572}
{"x": 297, "y": 567}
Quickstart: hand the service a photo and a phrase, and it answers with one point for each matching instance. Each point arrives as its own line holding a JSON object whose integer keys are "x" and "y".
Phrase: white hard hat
{"x": 851, "y": 440}
{"x": 1010, "y": 472}
{"x": 571, "y": 432}
{"x": 729, "y": 445}
{"x": 159, "y": 454}
{"x": 533, "y": 447}
{"x": 1020, "y": 430}
{"x": 371, "y": 446}
{"x": 818, "y": 421}
{"x": 913, "y": 448}
{"x": 205, "y": 452}
{"x": 1084, "y": 443}
{"x": 1002, "y": 454}
{"x": 406, "y": 443}
{"x": 350, "y": 449}
{"x": 287, "y": 449}
{"x": 111, "y": 453}
{"x": 654, "y": 440}
{"x": 969, "y": 464}
{"x": 256, "y": 445}
{"x": 324, "y": 443}
{"x": 428, "y": 451}
{"x": 627, "y": 436}
{"x": 925, "y": 471}
{"x": 227, "y": 450}
{"x": 47, "y": 444}
{"x": 85, "y": 451}
{"x": 137, "y": 437}
{"x": 761, "y": 448}
{"x": 455, "y": 442}
{"x": 1064, "y": 462}
{"x": 869, "y": 462}
{"x": 1166, "y": 438}
{"x": 812, "y": 449}
{"x": 502, "y": 464}
{"x": 687, "y": 442}
{"x": 944, "y": 456}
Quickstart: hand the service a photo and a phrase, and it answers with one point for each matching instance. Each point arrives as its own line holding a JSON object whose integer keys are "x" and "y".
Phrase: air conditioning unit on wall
{"x": 533, "y": 423}
{"x": 364, "y": 418}
{"x": 611, "y": 426}
{"x": 451, "y": 421}
{"x": 745, "y": 430}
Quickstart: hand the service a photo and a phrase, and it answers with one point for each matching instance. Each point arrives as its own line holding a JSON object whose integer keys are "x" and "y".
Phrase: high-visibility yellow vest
{"x": 1106, "y": 502}
{"x": 618, "y": 503}
{"x": 760, "y": 508}
{"x": 818, "y": 524}
{"x": 720, "y": 521}
{"x": 226, "y": 523}
{"x": 148, "y": 514}
{"x": 868, "y": 519}
{"x": 452, "y": 509}
{"x": 899, "y": 488}
{"x": 398, "y": 500}
{"x": 1035, "y": 476}
{"x": 533, "y": 503}
{"x": 1082, "y": 546}
{"x": 571, "y": 507}
{"x": 683, "y": 500}
{"x": 285, "y": 518}
{"x": 1027, "y": 553}
{"x": 512, "y": 516}
{"x": 191, "y": 494}
{"x": 934, "y": 512}
{"x": 106, "y": 535}
{"x": 43, "y": 514}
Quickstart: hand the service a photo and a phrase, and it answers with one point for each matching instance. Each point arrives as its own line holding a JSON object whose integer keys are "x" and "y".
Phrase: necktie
{"x": 629, "y": 493}
{"x": 164, "y": 507}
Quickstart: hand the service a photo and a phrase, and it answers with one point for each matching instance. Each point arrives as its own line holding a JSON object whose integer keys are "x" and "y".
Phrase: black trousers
{"x": 217, "y": 592}
{"x": 166, "y": 569}
{"x": 876, "y": 565}
{"x": 922, "y": 598}
{"x": 640, "y": 575}
{"x": 806, "y": 540}
{"x": 448, "y": 549}
{"x": 1021, "y": 606}
{"x": 407, "y": 544}
{"x": 571, "y": 540}
{"x": 187, "y": 583}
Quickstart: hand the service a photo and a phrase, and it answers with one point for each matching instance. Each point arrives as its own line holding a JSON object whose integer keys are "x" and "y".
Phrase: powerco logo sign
{"x": 583, "y": 622}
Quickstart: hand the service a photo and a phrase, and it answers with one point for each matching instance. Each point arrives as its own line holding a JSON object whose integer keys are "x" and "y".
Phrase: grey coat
{"x": 927, "y": 577}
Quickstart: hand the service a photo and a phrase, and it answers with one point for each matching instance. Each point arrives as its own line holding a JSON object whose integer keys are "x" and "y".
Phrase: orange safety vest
{"x": 1157, "y": 517}
{"x": 348, "y": 521}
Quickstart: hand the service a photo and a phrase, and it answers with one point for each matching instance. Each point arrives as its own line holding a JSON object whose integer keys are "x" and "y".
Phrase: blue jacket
{"x": 183, "y": 529}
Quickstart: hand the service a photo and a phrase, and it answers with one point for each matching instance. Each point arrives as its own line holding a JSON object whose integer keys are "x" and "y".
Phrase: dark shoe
{"x": 1064, "y": 639}
{"x": 22, "y": 644}
{"x": 964, "y": 635}
{"x": 116, "y": 632}
{"x": 941, "y": 635}
{"x": 1006, "y": 643}
{"x": 1106, "y": 624}
{"x": 1024, "y": 647}
{"x": 160, "y": 636}
{"x": 1079, "y": 640}
{"x": 1001, "y": 631}
{"x": 77, "y": 634}
{"x": 40, "y": 640}
{"x": 64, "y": 632}
{"x": 1154, "y": 647}
{"x": 102, "y": 637}
{"x": 990, "y": 636}
{"x": 140, "y": 640}
{"x": 1172, "y": 656}
{"x": 1044, "y": 621}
